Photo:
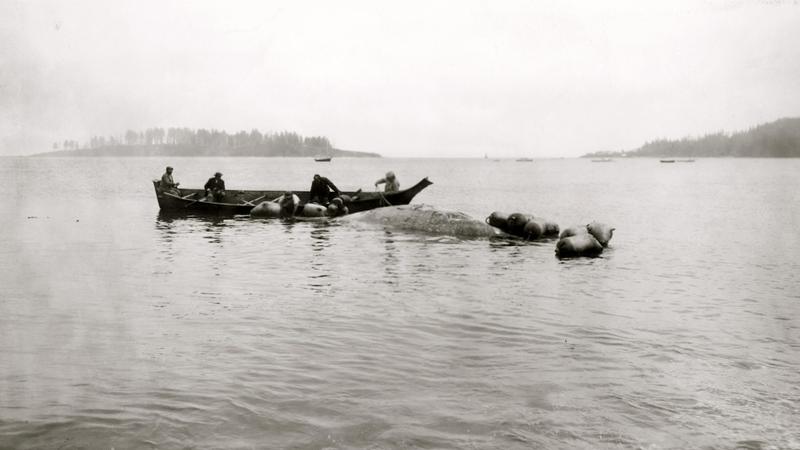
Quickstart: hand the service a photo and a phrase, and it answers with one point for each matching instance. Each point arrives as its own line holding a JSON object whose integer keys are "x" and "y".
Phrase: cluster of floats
{"x": 576, "y": 241}
{"x": 579, "y": 240}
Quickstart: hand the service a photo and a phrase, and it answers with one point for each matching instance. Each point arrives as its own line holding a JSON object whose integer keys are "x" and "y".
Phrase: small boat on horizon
{"x": 667, "y": 160}
{"x": 322, "y": 159}
{"x": 524, "y": 159}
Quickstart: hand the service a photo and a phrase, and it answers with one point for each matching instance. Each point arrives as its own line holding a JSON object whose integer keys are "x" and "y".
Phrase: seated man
{"x": 320, "y": 190}
{"x": 215, "y": 187}
{"x": 168, "y": 184}
{"x": 392, "y": 184}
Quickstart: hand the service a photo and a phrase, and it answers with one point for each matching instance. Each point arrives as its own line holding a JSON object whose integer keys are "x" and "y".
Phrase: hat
{"x": 218, "y": 174}
{"x": 169, "y": 167}
{"x": 389, "y": 174}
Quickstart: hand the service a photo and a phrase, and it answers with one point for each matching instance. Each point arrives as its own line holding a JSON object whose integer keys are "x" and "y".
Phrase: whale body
{"x": 426, "y": 219}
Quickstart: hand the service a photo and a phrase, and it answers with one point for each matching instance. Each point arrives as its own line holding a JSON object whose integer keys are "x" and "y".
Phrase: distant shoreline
{"x": 778, "y": 139}
{"x": 182, "y": 150}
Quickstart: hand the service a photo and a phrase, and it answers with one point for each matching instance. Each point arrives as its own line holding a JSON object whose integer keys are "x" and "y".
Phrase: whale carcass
{"x": 426, "y": 219}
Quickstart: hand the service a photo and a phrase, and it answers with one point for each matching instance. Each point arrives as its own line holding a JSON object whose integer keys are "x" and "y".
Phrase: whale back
{"x": 426, "y": 219}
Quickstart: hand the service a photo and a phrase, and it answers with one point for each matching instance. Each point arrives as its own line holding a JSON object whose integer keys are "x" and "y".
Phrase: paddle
{"x": 193, "y": 202}
{"x": 248, "y": 202}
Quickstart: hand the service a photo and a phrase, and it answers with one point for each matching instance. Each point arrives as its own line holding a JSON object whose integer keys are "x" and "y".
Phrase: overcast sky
{"x": 404, "y": 78}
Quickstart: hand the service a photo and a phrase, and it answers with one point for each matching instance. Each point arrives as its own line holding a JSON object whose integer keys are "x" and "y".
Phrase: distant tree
{"x": 256, "y": 138}
{"x": 241, "y": 139}
{"x": 131, "y": 137}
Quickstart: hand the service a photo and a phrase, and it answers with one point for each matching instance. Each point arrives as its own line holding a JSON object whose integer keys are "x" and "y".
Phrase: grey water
{"x": 121, "y": 327}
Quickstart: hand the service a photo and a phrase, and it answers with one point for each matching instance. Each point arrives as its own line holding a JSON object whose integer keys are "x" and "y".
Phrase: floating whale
{"x": 426, "y": 219}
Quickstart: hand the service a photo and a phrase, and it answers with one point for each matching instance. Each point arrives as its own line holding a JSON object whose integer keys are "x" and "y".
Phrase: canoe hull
{"x": 241, "y": 202}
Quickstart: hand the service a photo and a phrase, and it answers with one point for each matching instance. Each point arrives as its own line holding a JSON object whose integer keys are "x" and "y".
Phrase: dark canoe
{"x": 241, "y": 202}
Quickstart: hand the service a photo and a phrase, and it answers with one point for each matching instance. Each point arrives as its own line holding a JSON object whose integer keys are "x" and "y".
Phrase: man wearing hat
{"x": 168, "y": 184}
{"x": 320, "y": 191}
{"x": 215, "y": 187}
{"x": 392, "y": 184}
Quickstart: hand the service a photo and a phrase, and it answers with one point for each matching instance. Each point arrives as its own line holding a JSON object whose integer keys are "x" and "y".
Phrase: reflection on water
{"x": 390, "y": 261}
{"x": 320, "y": 273}
{"x": 125, "y": 331}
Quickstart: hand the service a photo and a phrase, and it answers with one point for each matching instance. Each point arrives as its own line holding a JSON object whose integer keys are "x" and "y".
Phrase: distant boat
{"x": 667, "y": 160}
{"x": 323, "y": 159}
{"x": 525, "y": 160}
{"x": 603, "y": 160}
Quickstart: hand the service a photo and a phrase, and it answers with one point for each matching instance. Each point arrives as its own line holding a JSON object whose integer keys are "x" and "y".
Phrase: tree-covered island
{"x": 202, "y": 142}
{"x": 778, "y": 139}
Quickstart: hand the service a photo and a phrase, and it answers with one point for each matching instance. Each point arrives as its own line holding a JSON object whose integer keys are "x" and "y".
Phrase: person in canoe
{"x": 168, "y": 184}
{"x": 390, "y": 181}
{"x": 337, "y": 208}
{"x": 289, "y": 202}
{"x": 215, "y": 187}
{"x": 320, "y": 191}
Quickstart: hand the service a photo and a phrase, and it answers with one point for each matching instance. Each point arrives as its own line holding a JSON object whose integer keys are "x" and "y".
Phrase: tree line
{"x": 778, "y": 139}
{"x": 206, "y": 139}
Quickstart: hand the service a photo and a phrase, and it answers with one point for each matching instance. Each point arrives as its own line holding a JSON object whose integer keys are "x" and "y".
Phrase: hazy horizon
{"x": 421, "y": 79}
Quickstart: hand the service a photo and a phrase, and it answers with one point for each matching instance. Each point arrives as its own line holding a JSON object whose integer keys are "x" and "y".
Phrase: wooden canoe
{"x": 241, "y": 202}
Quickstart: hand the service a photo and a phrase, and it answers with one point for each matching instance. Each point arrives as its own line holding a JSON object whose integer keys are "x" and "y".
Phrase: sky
{"x": 407, "y": 78}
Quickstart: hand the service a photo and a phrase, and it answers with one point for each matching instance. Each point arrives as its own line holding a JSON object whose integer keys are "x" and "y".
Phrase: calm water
{"x": 121, "y": 328}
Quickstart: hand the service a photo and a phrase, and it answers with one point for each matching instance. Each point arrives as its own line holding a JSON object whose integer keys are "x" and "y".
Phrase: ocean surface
{"x": 124, "y": 328}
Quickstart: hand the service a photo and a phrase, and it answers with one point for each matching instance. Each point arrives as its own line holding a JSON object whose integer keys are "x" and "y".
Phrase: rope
{"x": 383, "y": 199}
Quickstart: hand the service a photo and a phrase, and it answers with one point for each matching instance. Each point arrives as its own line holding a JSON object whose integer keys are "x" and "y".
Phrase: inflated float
{"x": 522, "y": 225}
{"x": 584, "y": 240}
{"x": 581, "y": 244}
